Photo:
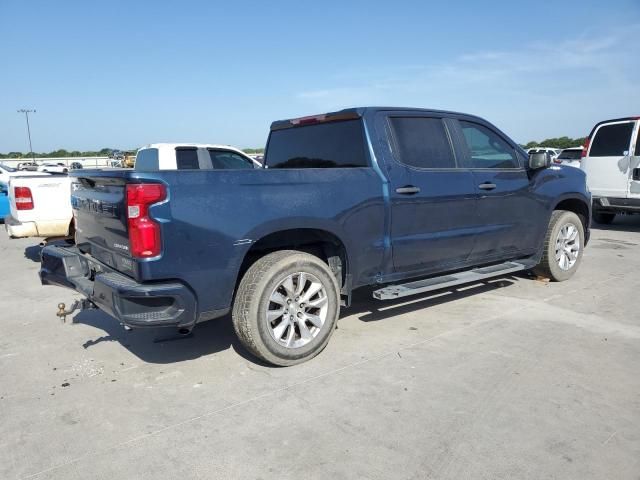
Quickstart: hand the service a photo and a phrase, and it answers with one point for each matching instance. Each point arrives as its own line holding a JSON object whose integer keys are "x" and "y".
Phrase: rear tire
{"x": 563, "y": 247}
{"x": 603, "y": 218}
{"x": 286, "y": 307}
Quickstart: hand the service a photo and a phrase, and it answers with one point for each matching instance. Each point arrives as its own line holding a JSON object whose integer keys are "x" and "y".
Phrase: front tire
{"x": 286, "y": 307}
{"x": 563, "y": 247}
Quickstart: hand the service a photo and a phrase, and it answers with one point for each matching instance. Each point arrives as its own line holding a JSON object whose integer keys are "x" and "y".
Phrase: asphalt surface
{"x": 512, "y": 379}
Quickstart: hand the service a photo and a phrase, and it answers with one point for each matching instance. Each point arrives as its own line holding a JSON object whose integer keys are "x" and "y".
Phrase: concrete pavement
{"x": 511, "y": 379}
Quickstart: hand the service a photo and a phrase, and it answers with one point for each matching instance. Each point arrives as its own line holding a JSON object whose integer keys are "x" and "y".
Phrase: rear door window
{"x": 612, "y": 140}
{"x": 486, "y": 148}
{"x": 637, "y": 152}
{"x": 338, "y": 144}
{"x": 187, "y": 159}
{"x": 422, "y": 142}
{"x": 226, "y": 160}
{"x": 147, "y": 159}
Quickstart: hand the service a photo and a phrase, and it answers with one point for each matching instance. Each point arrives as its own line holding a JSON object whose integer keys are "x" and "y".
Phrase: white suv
{"x": 553, "y": 152}
{"x": 611, "y": 160}
{"x": 570, "y": 156}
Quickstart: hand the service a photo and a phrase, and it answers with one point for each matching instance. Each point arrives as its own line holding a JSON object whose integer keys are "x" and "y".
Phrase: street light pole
{"x": 26, "y": 114}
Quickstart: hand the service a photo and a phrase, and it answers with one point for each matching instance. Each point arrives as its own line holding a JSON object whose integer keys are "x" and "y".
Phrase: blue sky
{"x": 127, "y": 73}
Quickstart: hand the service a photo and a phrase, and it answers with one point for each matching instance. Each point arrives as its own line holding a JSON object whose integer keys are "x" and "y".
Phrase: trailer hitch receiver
{"x": 77, "y": 305}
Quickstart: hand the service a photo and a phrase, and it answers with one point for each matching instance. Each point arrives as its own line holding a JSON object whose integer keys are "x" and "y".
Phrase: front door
{"x": 609, "y": 164}
{"x": 509, "y": 218}
{"x": 433, "y": 201}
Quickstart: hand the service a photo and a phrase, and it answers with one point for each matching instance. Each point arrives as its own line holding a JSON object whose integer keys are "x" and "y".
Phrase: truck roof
{"x": 352, "y": 113}
{"x": 189, "y": 144}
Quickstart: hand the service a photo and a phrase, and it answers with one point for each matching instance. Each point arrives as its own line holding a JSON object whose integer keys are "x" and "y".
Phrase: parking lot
{"x": 514, "y": 378}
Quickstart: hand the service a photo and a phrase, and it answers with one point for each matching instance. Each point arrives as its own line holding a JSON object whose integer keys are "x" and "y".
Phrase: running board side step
{"x": 444, "y": 281}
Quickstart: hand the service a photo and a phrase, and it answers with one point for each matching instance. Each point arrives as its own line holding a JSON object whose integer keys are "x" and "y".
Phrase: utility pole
{"x": 26, "y": 115}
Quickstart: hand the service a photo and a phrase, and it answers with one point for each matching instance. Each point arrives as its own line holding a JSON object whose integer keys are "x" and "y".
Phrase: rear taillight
{"x": 585, "y": 147}
{"x": 144, "y": 232}
{"x": 23, "y": 198}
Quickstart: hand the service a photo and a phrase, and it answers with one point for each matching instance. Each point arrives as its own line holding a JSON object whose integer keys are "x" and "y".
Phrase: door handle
{"x": 408, "y": 190}
{"x": 487, "y": 186}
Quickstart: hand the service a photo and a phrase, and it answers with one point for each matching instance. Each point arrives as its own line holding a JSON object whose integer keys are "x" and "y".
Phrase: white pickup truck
{"x": 40, "y": 206}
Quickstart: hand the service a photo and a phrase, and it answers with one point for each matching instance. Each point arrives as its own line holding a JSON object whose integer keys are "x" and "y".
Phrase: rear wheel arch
{"x": 321, "y": 243}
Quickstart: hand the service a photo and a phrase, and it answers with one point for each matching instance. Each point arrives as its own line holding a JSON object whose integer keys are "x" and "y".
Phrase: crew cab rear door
{"x": 433, "y": 200}
{"x": 608, "y": 164}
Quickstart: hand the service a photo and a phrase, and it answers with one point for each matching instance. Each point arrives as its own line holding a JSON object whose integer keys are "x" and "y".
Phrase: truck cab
{"x": 191, "y": 156}
{"x": 611, "y": 160}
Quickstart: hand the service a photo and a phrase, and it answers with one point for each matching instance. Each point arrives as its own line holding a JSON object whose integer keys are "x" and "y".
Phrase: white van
{"x": 611, "y": 160}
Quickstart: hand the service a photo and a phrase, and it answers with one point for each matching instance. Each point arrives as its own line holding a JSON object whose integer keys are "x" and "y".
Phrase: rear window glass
{"x": 612, "y": 140}
{"x": 147, "y": 159}
{"x": 226, "y": 160}
{"x": 324, "y": 145}
{"x": 187, "y": 159}
{"x": 570, "y": 155}
{"x": 422, "y": 142}
{"x": 637, "y": 152}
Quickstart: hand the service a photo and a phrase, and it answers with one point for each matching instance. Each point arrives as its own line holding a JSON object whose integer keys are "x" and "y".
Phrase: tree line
{"x": 105, "y": 152}
{"x": 560, "y": 142}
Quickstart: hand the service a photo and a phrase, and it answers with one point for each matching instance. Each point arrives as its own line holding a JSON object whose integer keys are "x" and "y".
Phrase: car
{"x": 6, "y": 172}
{"x": 75, "y": 165}
{"x": 570, "y": 156}
{"x": 405, "y": 201}
{"x": 553, "y": 152}
{"x": 40, "y": 206}
{"x": 189, "y": 156}
{"x": 611, "y": 161}
{"x": 4, "y": 200}
{"x": 29, "y": 166}
{"x": 53, "y": 167}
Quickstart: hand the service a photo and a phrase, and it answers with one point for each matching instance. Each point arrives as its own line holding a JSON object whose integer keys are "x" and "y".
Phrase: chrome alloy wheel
{"x": 297, "y": 310}
{"x": 567, "y": 246}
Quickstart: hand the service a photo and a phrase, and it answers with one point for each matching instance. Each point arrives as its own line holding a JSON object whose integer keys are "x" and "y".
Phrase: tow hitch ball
{"x": 77, "y": 305}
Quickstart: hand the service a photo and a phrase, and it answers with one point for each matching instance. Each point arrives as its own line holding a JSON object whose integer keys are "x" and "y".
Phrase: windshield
{"x": 570, "y": 155}
{"x": 6, "y": 168}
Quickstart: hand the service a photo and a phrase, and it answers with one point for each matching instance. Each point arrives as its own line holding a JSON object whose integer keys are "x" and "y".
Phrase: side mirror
{"x": 539, "y": 160}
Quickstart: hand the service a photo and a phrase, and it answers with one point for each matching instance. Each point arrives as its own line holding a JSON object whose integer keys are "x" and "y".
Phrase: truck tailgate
{"x": 98, "y": 199}
{"x": 50, "y": 195}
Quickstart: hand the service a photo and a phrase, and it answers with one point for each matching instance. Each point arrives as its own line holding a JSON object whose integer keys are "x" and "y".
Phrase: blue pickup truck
{"x": 407, "y": 200}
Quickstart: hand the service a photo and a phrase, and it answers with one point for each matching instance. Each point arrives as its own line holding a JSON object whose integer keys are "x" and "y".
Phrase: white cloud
{"x": 542, "y": 89}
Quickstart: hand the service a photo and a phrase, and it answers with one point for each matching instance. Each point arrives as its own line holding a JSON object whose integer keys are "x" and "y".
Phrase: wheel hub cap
{"x": 297, "y": 310}
{"x": 567, "y": 246}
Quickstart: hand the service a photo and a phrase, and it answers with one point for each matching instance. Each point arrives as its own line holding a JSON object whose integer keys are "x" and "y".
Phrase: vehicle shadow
{"x": 622, "y": 223}
{"x": 151, "y": 345}
{"x": 164, "y": 345}
{"x": 368, "y": 309}
{"x": 33, "y": 253}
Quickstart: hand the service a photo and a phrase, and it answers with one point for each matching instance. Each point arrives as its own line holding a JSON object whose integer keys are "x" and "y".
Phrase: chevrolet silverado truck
{"x": 406, "y": 200}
